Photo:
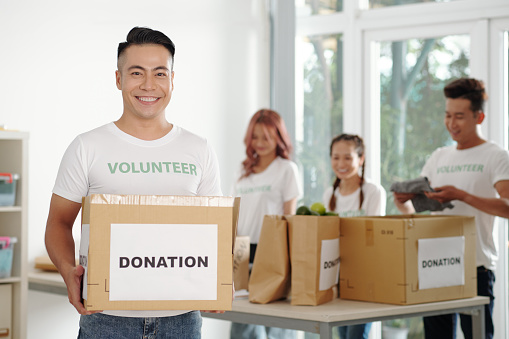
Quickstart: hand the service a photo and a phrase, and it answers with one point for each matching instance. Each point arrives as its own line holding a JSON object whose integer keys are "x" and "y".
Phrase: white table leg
{"x": 478, "y": 324}
{"x": 325, "y": 331}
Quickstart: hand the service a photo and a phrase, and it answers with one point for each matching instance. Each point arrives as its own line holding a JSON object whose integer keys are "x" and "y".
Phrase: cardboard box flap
{"x": 162, "y": 200}
{"x": 416, "y": 217}
{"x": 235, "y": 220}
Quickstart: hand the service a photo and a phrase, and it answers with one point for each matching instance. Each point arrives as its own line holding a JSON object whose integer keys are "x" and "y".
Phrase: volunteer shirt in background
{"x": 475, "y": 170}
{"x": 109, "y": 161}
{"x": 348, "y": 205}
{"x": 265, "y": 193}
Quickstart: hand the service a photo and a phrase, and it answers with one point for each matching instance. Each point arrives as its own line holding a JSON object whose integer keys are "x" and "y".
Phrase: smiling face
{"x": 461, "y": 122}
{"x": 146, "y": 80}
{"x": 264, "y": 141}
{"x": 345, "y": 161}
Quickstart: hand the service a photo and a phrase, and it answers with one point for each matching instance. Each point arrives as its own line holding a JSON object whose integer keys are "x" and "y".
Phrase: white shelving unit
{"x": 14, "y": 223}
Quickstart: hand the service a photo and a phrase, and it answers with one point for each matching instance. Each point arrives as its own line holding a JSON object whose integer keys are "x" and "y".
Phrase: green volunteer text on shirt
{"x": 152, "y": 167}
{"x": 461, "y": 168}
{"x": 248, "y": 190}
{"x": 353, "y": 213}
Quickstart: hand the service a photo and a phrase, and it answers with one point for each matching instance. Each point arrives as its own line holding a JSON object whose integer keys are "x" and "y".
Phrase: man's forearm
{"x": 60, "y": 246}
{"x": 493, "y": 206}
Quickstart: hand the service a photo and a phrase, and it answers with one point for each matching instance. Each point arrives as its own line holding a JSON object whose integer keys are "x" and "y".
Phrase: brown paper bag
{"x": 314, "y": 255}
{"x": 270, "y": 274}
{"x": 241, "y": 263}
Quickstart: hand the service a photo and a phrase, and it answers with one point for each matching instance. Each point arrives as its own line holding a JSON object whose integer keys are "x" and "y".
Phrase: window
{"x": 385, "y": 3}
{"x": 313, "y": 7}
{"x": 412, "y": 76}
{"x": 319, "y": 109}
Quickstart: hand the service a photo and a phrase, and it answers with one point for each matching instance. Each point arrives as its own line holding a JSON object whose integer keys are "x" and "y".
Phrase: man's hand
{"x": 60, "y": 245}
{"x": 445, "y": 194}
{"x": 73, "y": 282}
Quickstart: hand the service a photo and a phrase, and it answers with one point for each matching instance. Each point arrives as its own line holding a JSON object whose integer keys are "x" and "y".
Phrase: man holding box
{"x": 474, "y": 175}
{"x": 141, "y": 153}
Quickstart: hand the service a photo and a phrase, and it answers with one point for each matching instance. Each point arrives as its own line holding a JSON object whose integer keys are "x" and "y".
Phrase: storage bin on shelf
{"x": 8, "y": 188}
{"x": 6, "y": 255}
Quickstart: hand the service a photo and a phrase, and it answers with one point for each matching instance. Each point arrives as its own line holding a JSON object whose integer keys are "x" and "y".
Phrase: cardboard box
{"x": 408, "y": 259}
{"x": 157, "y": 252}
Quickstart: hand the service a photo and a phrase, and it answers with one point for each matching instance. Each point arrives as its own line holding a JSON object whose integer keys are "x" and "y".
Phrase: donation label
{"x": 163, "y": 262}
{"x": 329, "y": 270}
{"x": 441, "y": 262}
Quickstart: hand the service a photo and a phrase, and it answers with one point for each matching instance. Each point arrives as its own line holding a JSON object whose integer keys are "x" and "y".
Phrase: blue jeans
{"x": 360, "y": 331}
{"x": 444, "y": 326}
{"x": 102, "y": 326}
{"x": 248, "y": 331}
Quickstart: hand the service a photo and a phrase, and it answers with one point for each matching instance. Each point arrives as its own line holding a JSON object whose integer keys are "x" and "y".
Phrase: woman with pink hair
{"x": 268, "y": 184}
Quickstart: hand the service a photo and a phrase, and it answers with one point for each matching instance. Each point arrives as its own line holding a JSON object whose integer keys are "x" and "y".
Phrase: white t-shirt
{"x": 265, "y": 193}
{"x": 109, "y": 161}
{"x": 475, "y": 170}
{"x": 373, "y": 203}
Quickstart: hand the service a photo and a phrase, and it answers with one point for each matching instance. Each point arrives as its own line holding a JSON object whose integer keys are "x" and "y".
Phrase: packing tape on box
{"x": 370, "y": 233}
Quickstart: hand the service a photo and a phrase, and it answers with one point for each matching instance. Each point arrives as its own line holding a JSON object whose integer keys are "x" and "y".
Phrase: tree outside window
{"x": 413, "y": 74}
{"x": 319, "y": 110}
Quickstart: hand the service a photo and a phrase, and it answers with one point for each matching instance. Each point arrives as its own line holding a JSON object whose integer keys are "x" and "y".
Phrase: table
{"x": 317, "y": 319}
{"x": 321, "y": 319}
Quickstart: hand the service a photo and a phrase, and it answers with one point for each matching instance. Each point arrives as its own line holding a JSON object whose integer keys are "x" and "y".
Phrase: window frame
{"x": 371, "y": 84}
{"x": 499, "y": 132}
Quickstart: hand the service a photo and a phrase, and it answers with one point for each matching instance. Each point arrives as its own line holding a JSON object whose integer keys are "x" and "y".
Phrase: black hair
{"x": 360, "y": 149}
{"x": 145, "y": 35}
{"x": 470, "y": 89}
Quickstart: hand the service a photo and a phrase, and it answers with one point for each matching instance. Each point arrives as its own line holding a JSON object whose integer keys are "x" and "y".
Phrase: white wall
{"x": 58, "y": 60}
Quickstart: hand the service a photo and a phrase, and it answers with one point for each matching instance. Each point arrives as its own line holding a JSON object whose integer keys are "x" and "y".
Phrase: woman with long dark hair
{"x": 352, "y": 195}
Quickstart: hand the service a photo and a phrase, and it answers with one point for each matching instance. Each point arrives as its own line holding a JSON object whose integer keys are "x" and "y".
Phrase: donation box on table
{"x": 157, "y": 252}
{"x": 408, "y": 259}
